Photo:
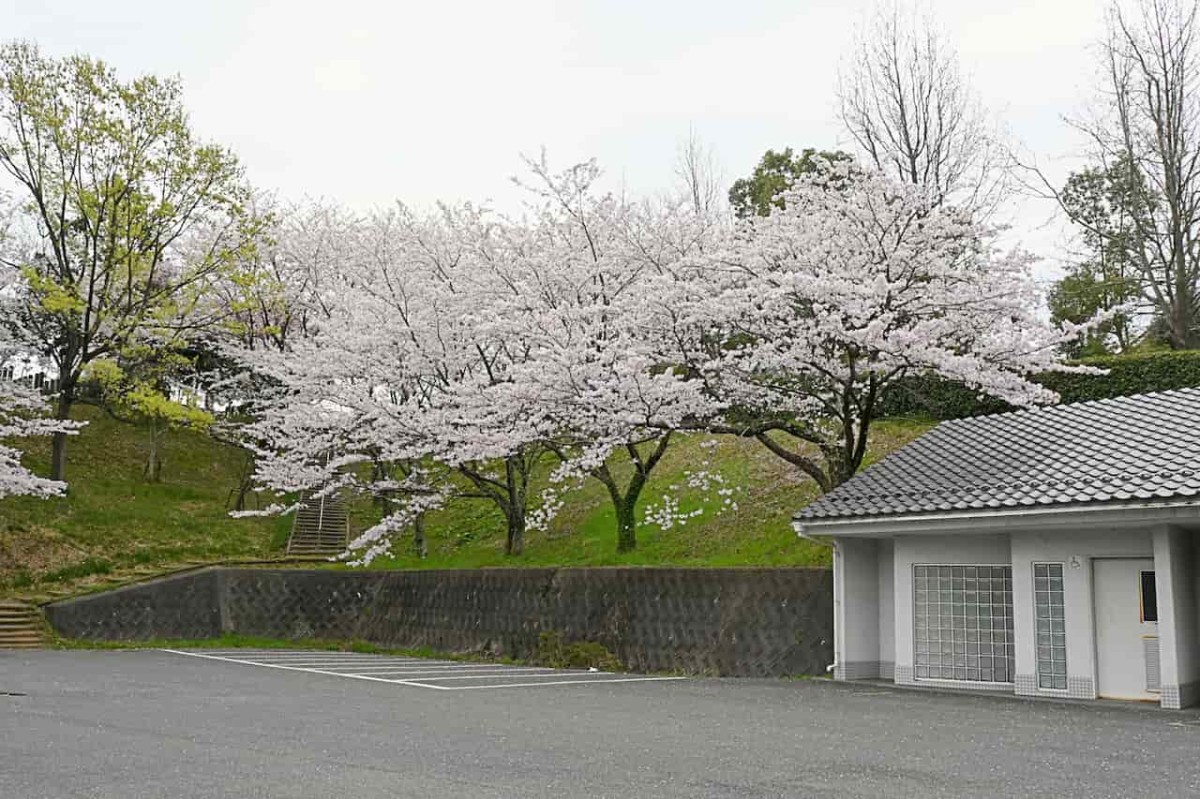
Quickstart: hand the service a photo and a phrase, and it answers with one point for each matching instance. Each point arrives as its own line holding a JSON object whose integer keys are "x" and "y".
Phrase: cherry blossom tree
{"x": 24, "y": 414}
{"x": 462, "y": 347}
{"x": 458, "y": 348}
{"x": 279, "y": 288}
{"x": 804, "y": 319}
{"x": 407, "y": 369}
{"x": 611, "y": 406}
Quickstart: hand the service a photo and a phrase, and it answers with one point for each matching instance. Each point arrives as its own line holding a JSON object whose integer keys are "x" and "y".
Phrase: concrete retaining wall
{"x": 744, "y": 622}
{"x": 186, "y": 606}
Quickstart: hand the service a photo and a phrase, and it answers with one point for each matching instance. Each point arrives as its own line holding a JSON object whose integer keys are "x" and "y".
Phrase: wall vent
{"x": 1153, "y": 671}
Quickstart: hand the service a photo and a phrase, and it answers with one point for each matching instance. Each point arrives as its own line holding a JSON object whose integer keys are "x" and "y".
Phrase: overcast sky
{"x": 366, "y": 102}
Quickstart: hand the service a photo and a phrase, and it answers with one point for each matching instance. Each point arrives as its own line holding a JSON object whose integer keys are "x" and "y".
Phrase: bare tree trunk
{"x": 509, "y": 494}
{"x": 627, "y": 525}
{"x": 514, "y": 543}
{"x": 153, "y": 470}
{"x": 62, "y": 411}
{"x": 905, "y": 102}
{"x": 699, "y": 174}
{"x": 245, "y": 483}
{"x": 1147, "y": 128}
{"x": 516, "y": 479}
{"x": 1184, "y": 324}
{"x": 420, "y": 546}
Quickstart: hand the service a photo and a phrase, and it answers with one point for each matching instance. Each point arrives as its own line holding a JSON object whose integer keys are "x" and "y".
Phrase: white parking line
{"x": 449, "y": 670}
{"x": 494, "y": 675}
{"x": 369, "y": 659}
{"x": 346, "y": 663}
{"x": 539, "y": 684}
{"x": 427, "y": 673}
{"x": 509, "y": 674}
{"x": 296, "y": 668}
{"x": 435, "y": 667}
{"x": 308, "y": 653}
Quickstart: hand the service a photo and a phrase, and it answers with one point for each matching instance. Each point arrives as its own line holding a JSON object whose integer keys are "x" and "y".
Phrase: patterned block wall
{"x": 738, "y": 622}
{"x": 184, "y": 606}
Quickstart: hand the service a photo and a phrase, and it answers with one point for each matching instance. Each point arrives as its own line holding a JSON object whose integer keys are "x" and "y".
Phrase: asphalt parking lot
{"x": 162, "y": 724}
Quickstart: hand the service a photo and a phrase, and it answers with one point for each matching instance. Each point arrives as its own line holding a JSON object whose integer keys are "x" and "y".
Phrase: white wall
{"x": 1074, "y": 549}
{"x": 856, "y": 608}
{"x": 1196, "y": 574}
{"x": 887, "y": 608}
{"x": 1179, "y": 638}
{"x": 873, "y": 596}
{"x": 991, "y": 550}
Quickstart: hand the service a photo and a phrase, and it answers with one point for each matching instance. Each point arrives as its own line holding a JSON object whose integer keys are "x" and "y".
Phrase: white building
{"x": 1048, "y": 552}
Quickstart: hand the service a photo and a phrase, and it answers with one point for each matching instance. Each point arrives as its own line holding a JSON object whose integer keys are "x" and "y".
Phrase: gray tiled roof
{"x": 1140, "y": 448}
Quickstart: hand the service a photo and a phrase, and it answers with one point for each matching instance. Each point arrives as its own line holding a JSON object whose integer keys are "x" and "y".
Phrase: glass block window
{"x": 1051, "y": 626}
{"x": 963, "y": 623}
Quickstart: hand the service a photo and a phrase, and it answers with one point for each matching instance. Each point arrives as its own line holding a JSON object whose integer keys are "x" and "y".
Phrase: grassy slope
{"x": 758, "y": 533}
{"x": 113, "y": 521}
{"x": 114, "y": 524}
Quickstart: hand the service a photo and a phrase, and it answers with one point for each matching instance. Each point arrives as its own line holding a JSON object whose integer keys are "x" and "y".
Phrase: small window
{"x": 1149, "y": 597}
{"x": 1050, "y": 613}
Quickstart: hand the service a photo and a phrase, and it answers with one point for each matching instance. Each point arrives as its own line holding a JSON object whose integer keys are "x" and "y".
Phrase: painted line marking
{"x": 539, "y": 684}
{"x": 510, "y": 675}
{"x": 511, "y": 672}
{"x": 311, "y": 653}
{"x": 449, "y": 669}
{"x": 307, "y": 653}
{"x": 333, "y": 658}
{"x": 437, "y": 677}
{"x": 319, "y": 664}
{"x": 300, "y": 669}
{"x": 393, "y": 670}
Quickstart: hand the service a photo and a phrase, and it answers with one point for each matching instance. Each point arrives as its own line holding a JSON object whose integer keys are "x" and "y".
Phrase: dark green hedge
{"x": 1127, "y": 374}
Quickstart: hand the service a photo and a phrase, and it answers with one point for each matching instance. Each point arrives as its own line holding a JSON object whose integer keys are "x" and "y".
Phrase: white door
{"x": 1126, "y": 628}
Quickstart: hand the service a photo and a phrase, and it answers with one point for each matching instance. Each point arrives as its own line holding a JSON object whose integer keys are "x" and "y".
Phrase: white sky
{"x": 366, "y": 102}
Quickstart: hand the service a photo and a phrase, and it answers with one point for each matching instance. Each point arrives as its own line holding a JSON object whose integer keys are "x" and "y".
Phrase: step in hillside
{"x": 20, "y": 626}
{"x": 320, "y": 527}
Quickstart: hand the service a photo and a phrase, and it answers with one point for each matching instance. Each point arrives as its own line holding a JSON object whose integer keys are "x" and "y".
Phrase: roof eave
{"x": 1182, "y": 509}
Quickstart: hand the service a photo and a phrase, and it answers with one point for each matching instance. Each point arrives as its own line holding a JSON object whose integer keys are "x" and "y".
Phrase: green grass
{"x": 112, "y": 521}
{"x": 757, "y": 533}
{"x": 113, "y": 526}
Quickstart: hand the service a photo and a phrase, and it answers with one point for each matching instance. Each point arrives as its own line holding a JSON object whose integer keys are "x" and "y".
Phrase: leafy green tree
{"x": 139, "y": 392}
{"x": 775, "y": 173}
{"x": 1106, "y": 279}
{"x": 110, "y": 187}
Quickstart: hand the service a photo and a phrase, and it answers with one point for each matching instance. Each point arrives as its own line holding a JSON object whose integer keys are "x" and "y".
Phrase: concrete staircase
{"x": 320, "y": 527}
{"x": 20, "y": 625}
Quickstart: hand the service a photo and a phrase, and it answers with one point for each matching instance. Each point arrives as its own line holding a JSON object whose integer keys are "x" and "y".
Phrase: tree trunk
{"x": 515, "y": 543}
{"x": 62, "y": 412}
{"x": 625, "y": 502}
{"x": 245, "y": 483}
{"x": 420, "y": 546}
{"x": 1185, "y": 334}
{"x": 153, "y": 470}
{"x": 514, "y": 511}
{"x": 627, "y": 524}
